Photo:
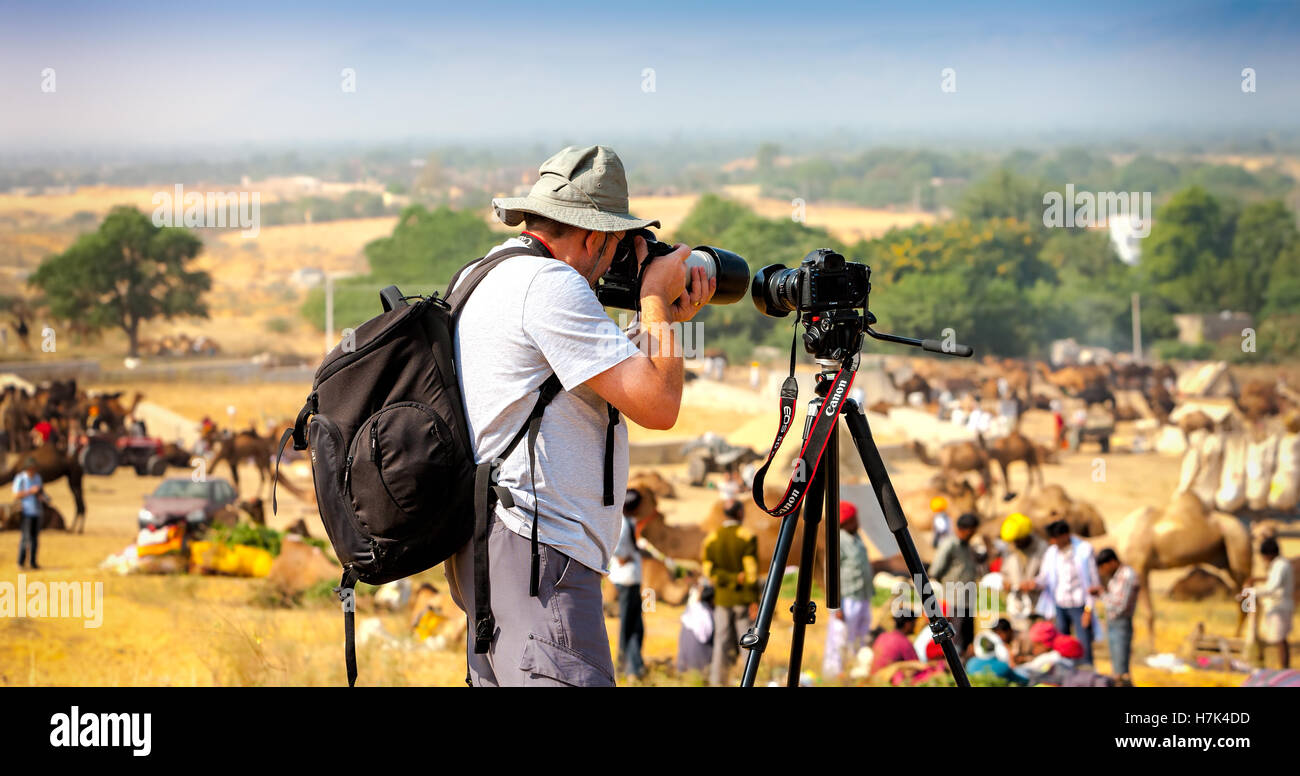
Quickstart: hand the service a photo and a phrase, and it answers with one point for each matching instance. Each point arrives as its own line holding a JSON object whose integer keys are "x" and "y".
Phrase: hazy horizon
{"x": 152, "y": 79}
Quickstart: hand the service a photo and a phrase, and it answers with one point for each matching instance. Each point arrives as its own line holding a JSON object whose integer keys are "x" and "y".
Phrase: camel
{"x": 1258, "y": 399}
{"x": 653, "y": 480}
{"x": 1088, "y": 382}
{"x": 1009, "y": 449}
{"x": 15, "y": 420}
{"x": 51, "y": 464}
{"x": 1184, "y": 534}
{"x": 1052, "y": 503}
{"x": 239, "y": 447}
{"x": 959, "y": 458}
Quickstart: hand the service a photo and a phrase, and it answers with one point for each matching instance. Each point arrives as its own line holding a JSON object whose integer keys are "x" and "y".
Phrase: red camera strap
{"x": 811, "y": 454}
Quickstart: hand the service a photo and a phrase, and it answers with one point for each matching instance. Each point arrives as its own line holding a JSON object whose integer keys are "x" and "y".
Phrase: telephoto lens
{"x": 621, "y": 284}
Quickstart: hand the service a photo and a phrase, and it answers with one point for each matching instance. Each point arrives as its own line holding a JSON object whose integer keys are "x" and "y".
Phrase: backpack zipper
{"x": 374, "y": 443}
{"x": 347, "y": 474}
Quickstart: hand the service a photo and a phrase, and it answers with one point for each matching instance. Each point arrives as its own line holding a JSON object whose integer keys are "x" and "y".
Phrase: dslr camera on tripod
{"x": 830, "y": 297}
{"x": 822, "y": 281}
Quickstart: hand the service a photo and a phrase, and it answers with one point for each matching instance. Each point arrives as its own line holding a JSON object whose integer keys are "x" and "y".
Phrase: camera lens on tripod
{"x": 775, "y": 290}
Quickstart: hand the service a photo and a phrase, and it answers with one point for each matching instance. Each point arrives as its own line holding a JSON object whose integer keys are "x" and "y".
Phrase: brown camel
{"x": 244, "y": 445}
{"x": 13, "y": 420}
{"x": 1009, "y": 449}
{"x": 1184, "y": 534}
{"x": 1052, "y": 503}
{"x": 51, "y": 464}
{"x": 653, "y": 480}
{"x": 959, "y": 458}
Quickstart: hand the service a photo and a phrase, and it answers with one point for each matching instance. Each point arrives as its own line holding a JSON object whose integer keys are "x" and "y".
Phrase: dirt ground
{"x": 201, "y": 630}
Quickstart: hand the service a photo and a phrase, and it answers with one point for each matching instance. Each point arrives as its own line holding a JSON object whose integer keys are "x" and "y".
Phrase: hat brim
{"x": 511, "y": 211}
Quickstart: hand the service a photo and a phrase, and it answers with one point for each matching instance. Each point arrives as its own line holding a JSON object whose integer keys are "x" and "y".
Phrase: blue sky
{"x": 172, "y": 75}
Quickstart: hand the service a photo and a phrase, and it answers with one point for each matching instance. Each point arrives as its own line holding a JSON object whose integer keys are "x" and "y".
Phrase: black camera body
{"x": 822, "y": 282}
{"x": 621, "y": 284}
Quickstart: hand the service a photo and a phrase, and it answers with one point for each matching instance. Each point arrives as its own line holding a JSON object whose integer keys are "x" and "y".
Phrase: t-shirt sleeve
{"x": 563, "y": 318}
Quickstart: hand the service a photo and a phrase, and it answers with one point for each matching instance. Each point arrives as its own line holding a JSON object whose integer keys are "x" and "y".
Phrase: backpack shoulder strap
{"x": 458, "y": 291}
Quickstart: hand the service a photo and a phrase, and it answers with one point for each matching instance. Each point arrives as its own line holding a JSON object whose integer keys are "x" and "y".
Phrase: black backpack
{"x": 396, "y": 483}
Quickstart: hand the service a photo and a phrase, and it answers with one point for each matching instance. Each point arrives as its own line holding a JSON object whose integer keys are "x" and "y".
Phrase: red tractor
{"x": 101, "y": 454}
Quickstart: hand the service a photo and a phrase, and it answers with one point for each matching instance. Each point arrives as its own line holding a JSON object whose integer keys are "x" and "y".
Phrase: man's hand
{"x": 1086, "y": 620}
{"x": 667, "y": 279}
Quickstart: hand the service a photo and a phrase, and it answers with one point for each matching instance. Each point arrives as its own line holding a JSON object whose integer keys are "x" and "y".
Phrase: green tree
{"x": 428, "y": 246}
{"x": 423, "y": 252}
{"x": 1264, "y": 235}
{"x": 127, "y": 272}
{"x": 1190, "y": 240}
{"x": 1004, "y": 195}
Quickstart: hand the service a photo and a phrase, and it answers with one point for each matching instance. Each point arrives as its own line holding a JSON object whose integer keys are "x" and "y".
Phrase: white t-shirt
{"x": 531, "y": 316}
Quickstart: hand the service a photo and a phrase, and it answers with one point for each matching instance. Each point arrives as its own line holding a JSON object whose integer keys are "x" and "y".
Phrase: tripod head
{"x": 836, "y": 335}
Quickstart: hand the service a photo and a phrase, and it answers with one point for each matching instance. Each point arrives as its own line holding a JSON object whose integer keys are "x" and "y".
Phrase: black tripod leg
{"x": 804, "y": 609}
{"x": 755, "y": 639}
{"x": 831, "y": 467}
{"x": 896, "y": 521}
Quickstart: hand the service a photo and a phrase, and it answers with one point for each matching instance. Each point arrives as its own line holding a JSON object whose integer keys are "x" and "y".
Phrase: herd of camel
{"x": 72, "y": 413}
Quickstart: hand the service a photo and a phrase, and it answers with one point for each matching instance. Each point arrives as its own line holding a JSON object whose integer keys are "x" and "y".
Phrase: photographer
{"x": 538, "y": 315}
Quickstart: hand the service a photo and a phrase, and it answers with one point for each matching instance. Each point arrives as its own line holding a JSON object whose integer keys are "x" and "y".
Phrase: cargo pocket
{"x": 548, "y": 663}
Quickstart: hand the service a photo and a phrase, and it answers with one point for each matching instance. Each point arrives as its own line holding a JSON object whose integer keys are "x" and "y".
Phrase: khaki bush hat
{"x": 582, "y": 187}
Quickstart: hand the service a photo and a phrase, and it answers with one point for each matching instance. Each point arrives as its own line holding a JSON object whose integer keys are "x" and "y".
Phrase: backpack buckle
{"x": 483, "y": 630}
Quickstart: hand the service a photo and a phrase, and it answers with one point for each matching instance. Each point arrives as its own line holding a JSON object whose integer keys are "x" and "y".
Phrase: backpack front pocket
{"x": 398, "y": 463}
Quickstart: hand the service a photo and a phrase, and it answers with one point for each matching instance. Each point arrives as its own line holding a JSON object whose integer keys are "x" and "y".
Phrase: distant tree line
{"x": 995, "y": 274}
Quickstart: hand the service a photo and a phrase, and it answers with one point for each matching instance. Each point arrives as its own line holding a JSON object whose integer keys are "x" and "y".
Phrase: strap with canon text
{"x": 811, "y": 454}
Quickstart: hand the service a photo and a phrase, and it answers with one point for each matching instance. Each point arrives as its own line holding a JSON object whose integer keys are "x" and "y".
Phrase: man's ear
{"x": 592, "y": 243}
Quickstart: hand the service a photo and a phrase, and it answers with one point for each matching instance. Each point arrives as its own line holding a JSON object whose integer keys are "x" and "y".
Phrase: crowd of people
{"x": 1058, "y": 599}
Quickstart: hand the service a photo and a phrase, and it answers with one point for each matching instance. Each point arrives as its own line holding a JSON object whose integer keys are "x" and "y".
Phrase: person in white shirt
{"x": 1277, "y": 601}
{"x": 625, "y": 575}
{"x": 1067, "y": 577}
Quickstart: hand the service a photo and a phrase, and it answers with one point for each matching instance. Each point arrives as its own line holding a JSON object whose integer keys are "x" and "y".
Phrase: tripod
{"x": 823, "y": 499}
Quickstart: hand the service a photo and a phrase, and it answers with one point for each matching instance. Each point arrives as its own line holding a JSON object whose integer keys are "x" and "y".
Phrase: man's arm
{"x": 649, "y": 390}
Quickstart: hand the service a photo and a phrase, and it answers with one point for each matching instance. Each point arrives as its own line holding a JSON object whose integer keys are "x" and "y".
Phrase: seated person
{"x": 987, "y": 661}
{"x": 894, "y": 646}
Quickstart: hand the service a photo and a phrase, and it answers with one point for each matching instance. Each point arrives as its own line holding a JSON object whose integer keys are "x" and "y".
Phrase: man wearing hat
{"x": 850, "y": 625}
{"x": 1020, "y": 566}
{"x": 536, "y": 315}
{"x": 28, "y": 489}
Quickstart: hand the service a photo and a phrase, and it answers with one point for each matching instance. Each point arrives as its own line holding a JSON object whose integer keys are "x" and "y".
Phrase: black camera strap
{"x": 815, "y": 443}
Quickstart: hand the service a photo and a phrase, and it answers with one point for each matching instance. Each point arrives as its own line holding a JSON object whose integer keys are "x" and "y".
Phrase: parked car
{"x": 199, "y": 504}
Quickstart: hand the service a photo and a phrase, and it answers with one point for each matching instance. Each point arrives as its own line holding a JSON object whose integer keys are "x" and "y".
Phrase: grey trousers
{"x": 729, "y": 624}
{"x": 555, "y": 639}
